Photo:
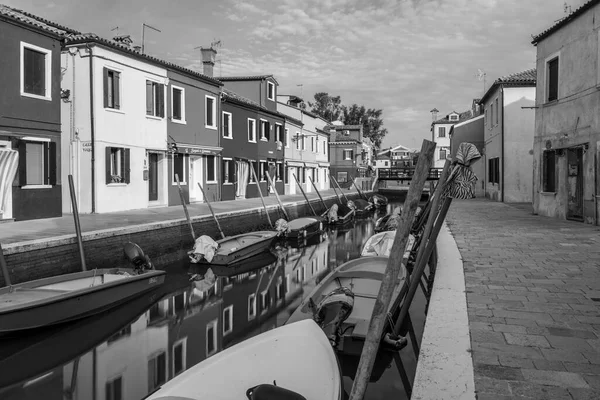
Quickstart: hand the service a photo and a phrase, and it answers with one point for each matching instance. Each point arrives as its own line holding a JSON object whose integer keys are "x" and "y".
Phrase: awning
{"x": 294, "y": 164}
{"x": 323, "y": 164}
{"x": 198, "y": 149}
{"x": 311, "y": 164}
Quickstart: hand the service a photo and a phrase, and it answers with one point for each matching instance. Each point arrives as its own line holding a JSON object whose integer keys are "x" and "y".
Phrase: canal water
{"x": 128, "y": 352}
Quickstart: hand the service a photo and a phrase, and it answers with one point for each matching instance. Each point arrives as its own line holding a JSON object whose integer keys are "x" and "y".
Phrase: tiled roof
{"x": 564, "y": 21}
{"x": 33, "y": 20}
{"x": 461, "y": 117}
{"x": 243, "y": 78}
{"x": 92, "y": 37}
{"x": 229, "y": 95}
{"x": 523, "y": 78}
{"x": 338, "y": 127}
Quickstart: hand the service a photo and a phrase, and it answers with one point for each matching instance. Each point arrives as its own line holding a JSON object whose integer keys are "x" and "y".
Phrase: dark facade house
{"x": 348, "y": 153}
{"x": 193, "y": 129}
{"x": 252, "y": 135}
{"x": 30, "y": 116}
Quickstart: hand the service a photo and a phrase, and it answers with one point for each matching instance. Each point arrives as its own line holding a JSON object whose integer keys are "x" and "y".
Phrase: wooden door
{"x": 575, "y": 183}
{"x": 153, "y": 177}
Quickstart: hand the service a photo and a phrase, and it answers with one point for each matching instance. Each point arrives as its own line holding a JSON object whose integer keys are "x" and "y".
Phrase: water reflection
{"x": 125, "y": 355}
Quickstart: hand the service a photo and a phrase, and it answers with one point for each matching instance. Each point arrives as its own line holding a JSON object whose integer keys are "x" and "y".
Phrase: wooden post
{"x": 211, "y": 210}
{"x": 277, "y": 195}
{"x": 335, "y": 191}
{"x": 185, "y": 210}
{"x": 261, "y": 195}
{"x": 77, "y": 225}
{"x": 338, "y": 185}
{"x": 357, "y": 189}
{"x": 304, "y": 194}
{"x": 318, "y": 194}
{"x": 390, "y": 280}
{"x": 4, "y": 268}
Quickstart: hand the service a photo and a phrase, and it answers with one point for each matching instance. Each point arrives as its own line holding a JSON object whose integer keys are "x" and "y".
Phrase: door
{"x": 153, "y": 177}
{"x": 575, "y": 183}
{"x": 195, "y": 178}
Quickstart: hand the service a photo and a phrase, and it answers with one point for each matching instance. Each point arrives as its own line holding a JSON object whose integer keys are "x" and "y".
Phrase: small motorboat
{"x": 361, "y": 206}
{"x": 231, "y": 249}
{"x": 380, "y": 244}
{"x": 299, "y": 228}
{"x": 293, "y": 362}
{"x": 378, "y": 201}
{"x": 339, "y": 215}
{"x": 351, "y": 288}
{"x": 50, "y": 301}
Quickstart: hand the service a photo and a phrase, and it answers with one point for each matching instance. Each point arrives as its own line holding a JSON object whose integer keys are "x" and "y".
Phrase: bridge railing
{"x": 406, "y": 173}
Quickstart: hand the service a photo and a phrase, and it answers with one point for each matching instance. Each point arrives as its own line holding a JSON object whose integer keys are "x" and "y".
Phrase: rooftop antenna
{"x": 567, "y": 10}
{"x": 301, "y": 89}
{"x": 116, "y": 28}
{"x": 481, "y": 77}
{"x": 144, "y": 26}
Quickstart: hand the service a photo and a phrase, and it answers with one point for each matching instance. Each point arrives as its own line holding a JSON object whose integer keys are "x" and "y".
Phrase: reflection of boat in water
{"x": 297, "y": 357}
{"x": 257, "y": 261}
{"x": 29, "y": 356}
{"x": 378, "y": 201}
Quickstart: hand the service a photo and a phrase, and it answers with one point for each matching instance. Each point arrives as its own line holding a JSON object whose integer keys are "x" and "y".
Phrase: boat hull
{"x": 304, "y": 228}
{"x": 241, "y": 247}
{"x": 62, "y": 307}
{"x": 257, "y": 261}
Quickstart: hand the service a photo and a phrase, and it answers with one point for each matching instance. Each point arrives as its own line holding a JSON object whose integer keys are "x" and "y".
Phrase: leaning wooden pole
{"x": 358, "y": 190}
{"x": 305, "y": 198}
{"x": 277, "y": 195}
{"x": 262, "y": 200}
{"x": 185, "y": 210}
{"x": 338, "y": 185}
{"x": 77, "y": 225}
{"x": 318, "y": 194}
{"x": 390, "y": 280}
{"x": 211, "y": 210}
{"x": 335, "y": 191}
{"x": 4, "y": 268}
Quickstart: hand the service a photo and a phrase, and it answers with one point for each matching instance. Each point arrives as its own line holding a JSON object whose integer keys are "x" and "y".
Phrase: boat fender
{"x": 394, "y": 342}
{"x": 272, "y": 392}
{"x": 332, "y": 311}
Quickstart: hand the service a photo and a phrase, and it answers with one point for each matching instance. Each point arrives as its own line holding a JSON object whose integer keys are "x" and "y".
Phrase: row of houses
{"x": 131, "y": 128}
{"x": 538, "y": 130}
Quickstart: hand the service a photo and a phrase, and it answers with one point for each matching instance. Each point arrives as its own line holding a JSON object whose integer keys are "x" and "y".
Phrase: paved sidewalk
{"x": 533, "y": 298}
{"x": 16, "y": 232}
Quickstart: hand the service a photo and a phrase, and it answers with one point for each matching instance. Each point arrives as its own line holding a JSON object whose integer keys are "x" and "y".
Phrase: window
{"x": 303, "y": 142}
{"x": 228, "y": 172}
{"x": 211, "y": 338}
{"x": 180, "y": 168}
{"x": 348, "y": 154}
{"x": 263, "y": 166}
{"x": 312, "y": 144}
{"x": 497, "y": 111}
{"x": 211, "y": 169}
{"x": 37, "y": 163}
{"x": 228, "y": 320}
{"x": 178, "y": 104}
{"x": 251, "y": 306}
{"x": 114, "y": 389}
{"x": 549, "y": 171}
{"x": 491, "y": 116}
{"x": 297, "y": 140}
{"x": 250, "y": 174}
{"x": 179, "y": 356}
{"x": 112, "y": 89}
{"x": 36, "y": 72}
{"x": 227, "y": 125}
{"x": 286, "y": 176}
{"x": 155, "y": 99}
{"x": 287, "y": 138}
{"x": 279, "y": 172}
{"x": 552, "y": 80}
{"x": 117, "y": 165}
{"x": 251, "y": 130}
{"x": 278, "y": 133}
{"x": 442, "y": 131}
{"x": 325, "y": 148}
{"x": 494, "y": 170}
{"x": 264, "y": 130}
{"x": 265, "y": 300}
{"x": 270, "y": 91}
{"x": 211, "y": 112}
{"x": 279, "y": 288}
{"x": 453, "y": 117}
{"x": 342, "y": 177}
{"x": 385, "y": 163}
{"x": 157, "y": 371}
{"x": 442, "y": 154}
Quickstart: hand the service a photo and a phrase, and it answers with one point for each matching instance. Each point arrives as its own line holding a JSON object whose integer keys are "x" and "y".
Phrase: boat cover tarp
{"x": 380, "y": 244}
{"x": 462, "y": 179}
{"x": 205, "y": 246}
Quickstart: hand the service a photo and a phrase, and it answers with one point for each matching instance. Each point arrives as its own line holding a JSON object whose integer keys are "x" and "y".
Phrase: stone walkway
{"x": 533, "y": 298}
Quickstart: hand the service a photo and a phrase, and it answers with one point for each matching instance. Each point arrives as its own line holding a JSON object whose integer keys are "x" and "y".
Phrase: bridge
{"x": 406, "y": 174}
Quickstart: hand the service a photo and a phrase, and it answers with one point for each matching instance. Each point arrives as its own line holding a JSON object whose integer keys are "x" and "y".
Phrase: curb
{"x": 445, "y": 366}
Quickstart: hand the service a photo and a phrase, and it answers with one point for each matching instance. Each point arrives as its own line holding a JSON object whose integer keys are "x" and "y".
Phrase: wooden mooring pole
{"x": 211, "y": 210}
{"x": 390, "y": 280}
{"x": 276, "y": 195}
{"x": 318, "y": 194}
{"x": 262, "y": 200}
{"x": 77, "y": 224}
{"x": 185, "y": 210}
{"x": 305, "y": 198}
{"x": 338, "y": 185}
{"x": 4, "y": 268}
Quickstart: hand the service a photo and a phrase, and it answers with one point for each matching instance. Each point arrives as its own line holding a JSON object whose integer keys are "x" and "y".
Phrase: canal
{"x": 128, "y": 352}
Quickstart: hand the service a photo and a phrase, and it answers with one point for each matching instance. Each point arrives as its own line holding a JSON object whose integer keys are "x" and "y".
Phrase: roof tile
{"x": 33, "y": 20}
{"x": 564, "y": 21}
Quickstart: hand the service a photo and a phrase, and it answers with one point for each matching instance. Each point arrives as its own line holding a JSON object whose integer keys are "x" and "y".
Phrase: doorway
{"x": 153, "y": 177}
{"x": 575, "y": 183}
{"x": 195, "y": 178}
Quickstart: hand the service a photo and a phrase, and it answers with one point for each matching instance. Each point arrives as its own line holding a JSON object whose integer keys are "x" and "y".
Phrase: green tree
{"x": 371, "y": 120}
{"x": 326, "y": 106}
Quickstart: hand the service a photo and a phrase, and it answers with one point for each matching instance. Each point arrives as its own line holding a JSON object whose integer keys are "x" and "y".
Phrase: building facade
{"x": 567, "y": 131}
{"x": 348, "y": 152}
{"x": 440, "y": 134}
{"x": 471, "y": 131}
{"x": 508, "y": 130}
{"x": 30, "y": 120}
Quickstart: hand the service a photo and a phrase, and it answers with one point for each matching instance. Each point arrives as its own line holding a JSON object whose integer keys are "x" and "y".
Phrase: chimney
{"x": 434, "y": 114}
{"x": 208, "y": 60}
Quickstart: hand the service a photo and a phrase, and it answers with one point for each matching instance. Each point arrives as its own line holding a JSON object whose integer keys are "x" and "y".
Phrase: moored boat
{"x": 362, "y": 206}
{"x": 233, "y": 249}
{"x": 249, "y": 264}
{"x": 380, "y": 244}
{"x": 339, "y": 215}
{"x": 378, "y": 201}
{"x": 294, "y": 361}
{"x": 299, "y": 228}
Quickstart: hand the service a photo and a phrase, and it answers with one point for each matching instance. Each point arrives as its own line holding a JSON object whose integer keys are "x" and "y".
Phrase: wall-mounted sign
{"x": 196, "y": 150}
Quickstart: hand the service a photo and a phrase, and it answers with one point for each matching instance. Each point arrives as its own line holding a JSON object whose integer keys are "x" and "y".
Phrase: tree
{"x": 370, "y": 119}
{"x": 326, "y": 106}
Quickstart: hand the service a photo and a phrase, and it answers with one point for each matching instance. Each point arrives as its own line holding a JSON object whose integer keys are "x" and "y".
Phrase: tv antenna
{"x": 567, "y": 10}
{"x": 144, "y": 26}
{"x": 116, "y": 28}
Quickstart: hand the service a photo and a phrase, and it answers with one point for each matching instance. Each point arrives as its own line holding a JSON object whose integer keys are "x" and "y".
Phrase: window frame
{"x": 155, "y": 101}
{"x": 264, "y": 123}
{"x": 253, "y": 140}
{"x": 344, "y": 154}
{"x": 213, "y": 113}
{"x": 225, "y": 172}
{"x": 547, "y": 61}
{"x": 183, "y": 343}
{"x": 47, "y": 162}
{"x": 118, "y": 96}
{"x": 279, "y": 171}
{"x": 110, "y": 383}
{"x": 278, "y": 132}
{"x": 269, "y": 86}
{"x": 262, "y": 164}
{"x": 441, "y": 131}
{"x": 230, "y": 320}
{"x": 545, "y": 183}
{"x": 215, "y": 325}
{"x": 182, "y": 120}
{"x": 251, "y": 300}
{"x": 186, "y": 169}
{"x": 229, "y": 126}
{"x": 47, "y": 70}
{"x": 215, "y": 179}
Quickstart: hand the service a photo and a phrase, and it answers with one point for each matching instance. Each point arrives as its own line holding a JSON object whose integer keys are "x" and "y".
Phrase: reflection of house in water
{"x": 346, "y": 242}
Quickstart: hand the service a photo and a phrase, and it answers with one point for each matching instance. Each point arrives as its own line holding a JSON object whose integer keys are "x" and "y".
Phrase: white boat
{"x": 297, "y": 357}
{"x": 380, "y": 244}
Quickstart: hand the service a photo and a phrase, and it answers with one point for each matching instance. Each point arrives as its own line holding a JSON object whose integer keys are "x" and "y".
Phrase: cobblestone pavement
{"x": 533, "y": 297}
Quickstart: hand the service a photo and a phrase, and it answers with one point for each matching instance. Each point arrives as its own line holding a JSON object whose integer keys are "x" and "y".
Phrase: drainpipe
{"x": 92, "y": 124}
{"x": 502, "y": 143}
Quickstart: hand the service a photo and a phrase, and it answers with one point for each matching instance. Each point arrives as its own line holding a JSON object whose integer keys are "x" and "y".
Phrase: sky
{"x": 405, "y": 57}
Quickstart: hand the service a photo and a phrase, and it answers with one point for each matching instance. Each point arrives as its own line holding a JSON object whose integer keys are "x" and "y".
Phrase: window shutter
{"x": 52, "y": 164}
{"x": 161, "y": 100}
{"x": 107, "y": 162}
{"x": 105, "y": 74}
{"x": 22, "y": 163}
{"x": 149, "y": 98}
{"x": 117, "y": 90}
{"x": 126, "y": 166}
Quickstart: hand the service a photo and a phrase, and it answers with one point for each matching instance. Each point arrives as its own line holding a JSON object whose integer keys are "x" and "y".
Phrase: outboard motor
{"x": 141, "y": 262}
{"x": 272, "y": 392}
{"x": 332, "y": 311}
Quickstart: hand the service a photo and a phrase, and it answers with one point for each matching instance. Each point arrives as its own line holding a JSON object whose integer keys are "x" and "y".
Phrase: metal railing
{"x": 406, "y": 173}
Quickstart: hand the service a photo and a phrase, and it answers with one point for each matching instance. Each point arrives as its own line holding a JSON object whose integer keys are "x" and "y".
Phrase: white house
{"x": 111, "y": 126}
{"x": 398, "y": 156}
